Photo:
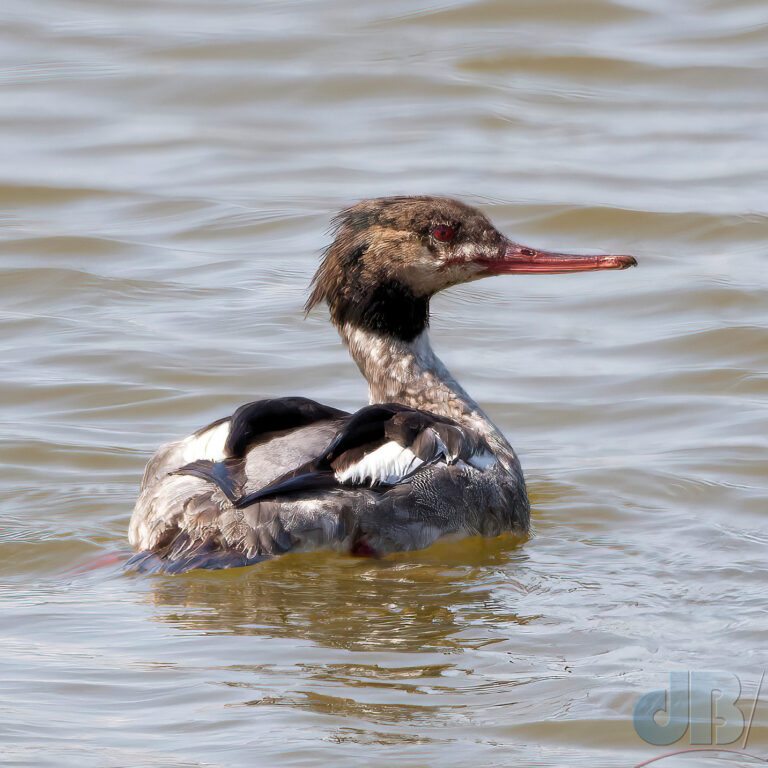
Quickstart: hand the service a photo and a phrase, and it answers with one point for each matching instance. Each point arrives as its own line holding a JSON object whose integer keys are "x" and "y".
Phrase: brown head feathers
{"x": 391, "y": 254}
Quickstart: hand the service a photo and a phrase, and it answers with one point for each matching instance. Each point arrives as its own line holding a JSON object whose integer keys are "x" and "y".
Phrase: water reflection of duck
{"x": 409, "y": 602}
{"x": 421, "y": 462}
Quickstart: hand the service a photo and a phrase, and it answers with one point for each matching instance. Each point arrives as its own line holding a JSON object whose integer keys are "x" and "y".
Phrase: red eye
{"x": 443, "y": 233}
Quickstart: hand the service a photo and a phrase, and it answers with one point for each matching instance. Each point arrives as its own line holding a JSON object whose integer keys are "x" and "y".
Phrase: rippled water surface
{"x": 167, "y": 173}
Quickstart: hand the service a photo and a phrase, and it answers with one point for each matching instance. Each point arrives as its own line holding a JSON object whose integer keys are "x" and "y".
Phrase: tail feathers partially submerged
{"x": 205, "y": 555}
{"x": 208, "y": 535}
{"x": 186, "y": 553}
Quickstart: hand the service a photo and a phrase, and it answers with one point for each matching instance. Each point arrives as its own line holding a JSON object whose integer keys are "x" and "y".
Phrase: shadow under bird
{"x": 420, "y": 463}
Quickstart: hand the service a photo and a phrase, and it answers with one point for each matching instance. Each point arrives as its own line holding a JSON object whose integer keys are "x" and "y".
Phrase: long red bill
{"x": 519, "y": 260}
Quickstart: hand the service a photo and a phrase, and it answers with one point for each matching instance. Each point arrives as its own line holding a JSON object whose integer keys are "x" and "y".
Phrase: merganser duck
{"x": 420, "y": 463}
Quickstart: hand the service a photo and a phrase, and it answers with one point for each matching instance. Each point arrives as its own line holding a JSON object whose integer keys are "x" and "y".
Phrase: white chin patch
{"x": 209, "y": 445}
{"x": 388, "y": 464}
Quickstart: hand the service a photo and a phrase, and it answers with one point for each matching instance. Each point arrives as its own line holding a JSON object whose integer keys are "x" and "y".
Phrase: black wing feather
{"x": 310, "y": 481}
{"x": 254, "y": 420}
{"x": 221, "y": 473}
{"x": 365, "y": 426}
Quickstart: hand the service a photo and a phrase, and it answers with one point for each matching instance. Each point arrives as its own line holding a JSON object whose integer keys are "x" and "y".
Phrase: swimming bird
{"x": 421, "y": 462}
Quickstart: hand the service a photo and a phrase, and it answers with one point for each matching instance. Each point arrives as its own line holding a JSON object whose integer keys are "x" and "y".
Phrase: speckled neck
{"x": 409, "y": 372}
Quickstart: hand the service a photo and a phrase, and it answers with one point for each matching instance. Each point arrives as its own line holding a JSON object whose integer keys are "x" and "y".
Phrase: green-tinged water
{"x": 167, "y": 173}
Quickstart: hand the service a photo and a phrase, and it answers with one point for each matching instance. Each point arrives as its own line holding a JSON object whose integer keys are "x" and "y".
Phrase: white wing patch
{"x": 209, "y": 445}
{"x": 388, "y": 464}
{"x": 391, "y": 463}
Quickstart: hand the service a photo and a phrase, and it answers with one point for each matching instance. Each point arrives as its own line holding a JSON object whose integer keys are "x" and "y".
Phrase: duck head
{"x": 391, "y": 254}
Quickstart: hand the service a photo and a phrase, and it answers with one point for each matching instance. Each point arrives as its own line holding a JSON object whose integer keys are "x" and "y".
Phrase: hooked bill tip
{"x": 622, "y": 261}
